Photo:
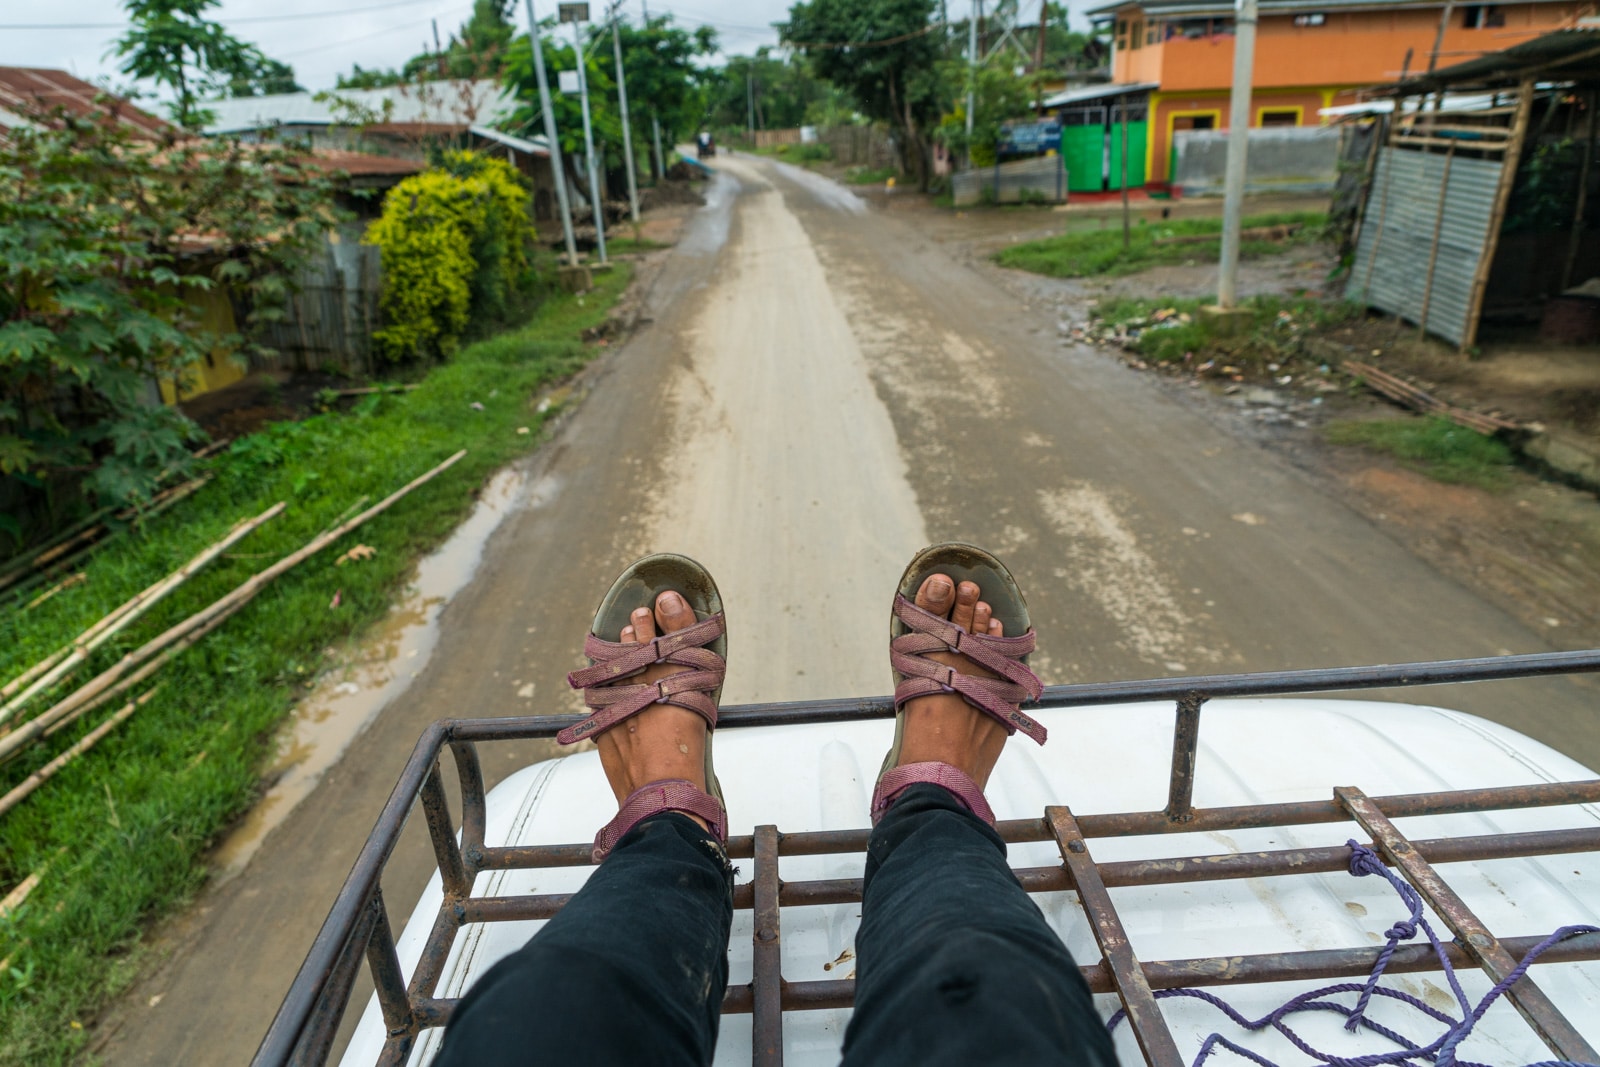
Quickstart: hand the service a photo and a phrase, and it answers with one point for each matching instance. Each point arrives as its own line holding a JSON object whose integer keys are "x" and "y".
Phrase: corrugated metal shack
{"x": 1484, "y": 204}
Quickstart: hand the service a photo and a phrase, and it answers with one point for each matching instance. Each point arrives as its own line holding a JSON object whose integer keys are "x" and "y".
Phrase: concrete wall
{"x": 1283, "y": 159}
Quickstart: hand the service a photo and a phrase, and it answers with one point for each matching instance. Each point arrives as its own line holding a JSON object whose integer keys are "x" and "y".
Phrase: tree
{"x": 783, "y": 92}
{"x": 172, "y": 43}
{"x": 477, "y": 50}
{"x": 107, "y": 245}
{"x": 663, "y": 78}
{"x": 884, "y": 54}
{"x": 603, "y": 112}
{"x": 999, "y": 94}
{"x": 268, "y": 78}
{"x": 361, "y": 78}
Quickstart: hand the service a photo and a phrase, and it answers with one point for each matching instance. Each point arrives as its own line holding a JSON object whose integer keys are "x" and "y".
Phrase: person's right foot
{"x": 944, "y": 728}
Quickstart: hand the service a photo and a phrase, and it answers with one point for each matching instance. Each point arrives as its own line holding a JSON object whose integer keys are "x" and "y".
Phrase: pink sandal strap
{"x": 996, "y": 697}
{"x": 672, "y": 794}
{"x": 898, "y": 779}
{"x": 613, "y": 660}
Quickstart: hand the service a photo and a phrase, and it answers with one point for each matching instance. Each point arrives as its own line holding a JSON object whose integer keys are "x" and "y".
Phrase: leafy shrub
{"x": 105, "y": 240}
{"x": 454, "y": 244}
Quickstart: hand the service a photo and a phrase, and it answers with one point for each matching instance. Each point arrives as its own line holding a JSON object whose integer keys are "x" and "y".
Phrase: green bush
{"x": 454, "y": 242}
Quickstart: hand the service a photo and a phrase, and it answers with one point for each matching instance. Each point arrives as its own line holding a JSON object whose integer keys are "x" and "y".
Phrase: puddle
{"x": 708, "y": 228}
{"x": 349, "y": 697}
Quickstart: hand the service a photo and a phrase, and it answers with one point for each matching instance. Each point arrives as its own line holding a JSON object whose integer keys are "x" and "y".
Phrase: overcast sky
{"x": 322, "y": 40}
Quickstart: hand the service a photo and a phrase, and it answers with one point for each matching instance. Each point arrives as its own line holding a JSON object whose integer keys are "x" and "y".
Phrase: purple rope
{"x": 1439, "y": 1052}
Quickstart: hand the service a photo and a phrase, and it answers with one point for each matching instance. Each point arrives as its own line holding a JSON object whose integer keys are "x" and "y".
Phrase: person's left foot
{"x": 662, "y": 741}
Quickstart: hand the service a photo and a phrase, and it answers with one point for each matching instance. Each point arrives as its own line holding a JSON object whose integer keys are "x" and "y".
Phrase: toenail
{"x": 939, "y": 588}
{"x": 671, "y": 603}
{"x": 640, "y": 613}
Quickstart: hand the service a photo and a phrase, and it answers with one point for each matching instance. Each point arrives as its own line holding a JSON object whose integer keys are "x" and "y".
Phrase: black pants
{"x": 955, "y": 964}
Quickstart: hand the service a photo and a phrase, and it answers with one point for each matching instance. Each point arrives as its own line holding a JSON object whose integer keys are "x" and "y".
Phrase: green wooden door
{"x": 1137, "y": 133}
{"x": 1083, "y": 151}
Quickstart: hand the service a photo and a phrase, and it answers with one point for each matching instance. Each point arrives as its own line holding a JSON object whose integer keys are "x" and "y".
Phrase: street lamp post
{"x": 551, "y": 139}
{"x": 578, "y": 14}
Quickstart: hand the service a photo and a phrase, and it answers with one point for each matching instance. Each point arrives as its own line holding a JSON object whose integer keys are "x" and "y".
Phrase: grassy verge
{"x": 802, "y": 154}
{"x": 1100, "y": 252}
{"x": 123, "y": 830}
{"x": 1172, "y": 331}
{"x": 1435, "y": 446}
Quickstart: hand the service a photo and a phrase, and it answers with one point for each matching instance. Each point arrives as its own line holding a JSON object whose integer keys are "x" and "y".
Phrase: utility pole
{"x": 622, "y": 102}
{"x": 750, "y": 102}
{"x": 1038, "y": 56}
{"x": 596, "y": 203}
{"x": 972, "y": 64}
{"x": 550, "y": 137}
{"x": 1244, "y": 54}
{"x": 661, "y": 162}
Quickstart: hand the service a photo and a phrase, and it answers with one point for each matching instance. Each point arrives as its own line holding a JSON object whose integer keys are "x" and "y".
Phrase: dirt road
{"x": 822, "y": 389}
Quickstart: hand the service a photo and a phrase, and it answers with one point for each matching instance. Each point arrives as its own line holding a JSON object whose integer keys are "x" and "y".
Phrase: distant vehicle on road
{"x": 707, "y": 145}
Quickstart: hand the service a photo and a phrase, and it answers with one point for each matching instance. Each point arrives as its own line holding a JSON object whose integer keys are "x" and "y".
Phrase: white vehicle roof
{"x": 1115, "y": 759}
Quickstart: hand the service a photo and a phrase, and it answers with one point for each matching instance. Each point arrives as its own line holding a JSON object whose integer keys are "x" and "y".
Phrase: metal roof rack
{"x": 359, "y": 923}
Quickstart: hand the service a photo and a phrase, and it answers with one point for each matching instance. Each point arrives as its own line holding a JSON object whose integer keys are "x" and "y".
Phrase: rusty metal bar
{"x": 435, "y": 951}
{"x": 1185, "y": 742}
{"x": 1144, "y": 1014}
{"x": 314, "y": 981}
{"x": 474, "y": 813}
{"x": 452, "y": 867}
{"x": 766, "y": 986}
{"x": 1127, "y": 824}
{"x": 387, "y": 976}
{"x": 323, "y": 1026}
{"x": 1552, "y": 1027}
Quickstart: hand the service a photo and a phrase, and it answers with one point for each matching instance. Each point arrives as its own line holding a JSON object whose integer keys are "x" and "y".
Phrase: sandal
{"x": 701, "y": 647}
{"x": 914, "y": 633}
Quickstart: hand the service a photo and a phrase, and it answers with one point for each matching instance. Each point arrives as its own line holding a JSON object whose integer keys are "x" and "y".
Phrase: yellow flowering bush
{"x": 454, "y": 245}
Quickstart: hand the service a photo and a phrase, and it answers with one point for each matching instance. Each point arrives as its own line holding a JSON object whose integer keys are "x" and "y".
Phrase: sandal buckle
{"x": 949, "y": 683}
{"x": 662, "y": 696}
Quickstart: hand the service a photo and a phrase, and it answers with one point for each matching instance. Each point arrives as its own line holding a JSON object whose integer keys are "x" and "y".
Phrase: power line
{"x": 241, "y": 19}
{"x": 368, "y": 36}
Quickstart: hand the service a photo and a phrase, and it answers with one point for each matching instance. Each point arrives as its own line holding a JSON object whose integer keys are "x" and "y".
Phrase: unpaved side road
{"x": 823, "y": 388}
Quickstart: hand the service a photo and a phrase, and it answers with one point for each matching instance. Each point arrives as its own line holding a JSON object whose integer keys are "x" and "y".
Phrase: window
{"x": 1153, "y": 34}
{"x": 1280, "y": 116}
{"x": 1194, "y": 122}
{"x": 1482, "y": 17}
{"x": 1136, "y": 35}
{"x": 1314, "y": 19}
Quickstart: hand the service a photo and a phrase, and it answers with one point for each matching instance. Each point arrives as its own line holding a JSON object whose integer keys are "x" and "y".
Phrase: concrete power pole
{"x": 972, "y": 63}
{"x": 596, "y": 203}
{"x": 1244, "y": 54}
{"x": 750, "y": 102}
{"x": 550, "y": 135}
{"x": 661, "y": 161}
{"x": 627, "y": 132}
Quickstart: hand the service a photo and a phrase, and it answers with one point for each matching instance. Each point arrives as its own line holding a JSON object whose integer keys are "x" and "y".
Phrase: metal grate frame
{"x": 304, "y": 1028}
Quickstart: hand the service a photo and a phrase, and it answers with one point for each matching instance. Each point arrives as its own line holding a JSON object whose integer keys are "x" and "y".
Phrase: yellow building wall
{"x": 214, "y": 312}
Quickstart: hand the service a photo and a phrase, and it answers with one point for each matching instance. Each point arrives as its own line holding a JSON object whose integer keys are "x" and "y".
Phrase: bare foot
{"x": 943, "y": 728}
{"x": 663, "y": 741}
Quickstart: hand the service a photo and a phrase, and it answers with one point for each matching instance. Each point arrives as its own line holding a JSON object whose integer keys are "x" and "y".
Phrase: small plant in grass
{"x": 1433, "y": 445}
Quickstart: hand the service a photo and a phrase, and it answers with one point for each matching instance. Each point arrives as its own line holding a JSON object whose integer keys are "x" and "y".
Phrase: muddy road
{"x": 821, "y": 388}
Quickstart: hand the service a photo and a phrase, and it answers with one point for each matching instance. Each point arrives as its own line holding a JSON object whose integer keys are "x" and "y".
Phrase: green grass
{"x": 802, "y": 154}
{"x": 1100, "y": 252}
{"x": 1169, "y": 330}
{"x": 869, "y": 175}
{"x": 616, "y": 246}
{"x": 125, "y": 828}
{"x": 1433, "y": 445}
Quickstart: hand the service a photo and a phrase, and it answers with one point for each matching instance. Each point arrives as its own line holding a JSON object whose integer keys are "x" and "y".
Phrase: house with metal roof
{"x": 407, "y": 122}
{"x": 29, "y": 95}
{"x": 1172, "y": 60}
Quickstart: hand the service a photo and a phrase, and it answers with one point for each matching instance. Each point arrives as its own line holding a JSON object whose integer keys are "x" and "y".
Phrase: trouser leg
{"x": 632, "y": 971}
{"x": 956, "y": 965}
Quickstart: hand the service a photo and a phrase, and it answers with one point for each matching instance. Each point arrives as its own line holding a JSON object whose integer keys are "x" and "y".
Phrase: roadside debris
{"x": 1403, "y": 392}
{"x": 356, "y": 554}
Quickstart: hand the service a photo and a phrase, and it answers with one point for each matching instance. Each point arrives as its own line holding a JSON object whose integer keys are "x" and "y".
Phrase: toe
{"x": 996, "y": 628}
{"x": 966, "y": 605}
{"x": 644, "y": 625}
{"x": 628, "y": 637}
{"x": 980, "y": 618}
{"x": 936, "y": 595}
{"x": 673, "y": 612}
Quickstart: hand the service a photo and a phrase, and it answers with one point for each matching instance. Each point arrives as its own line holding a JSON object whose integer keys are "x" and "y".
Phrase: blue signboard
{"x": 1029, "y": 138}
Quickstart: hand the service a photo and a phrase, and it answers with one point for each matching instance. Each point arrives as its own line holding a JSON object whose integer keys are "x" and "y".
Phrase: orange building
{"x": 1308, "y": 55}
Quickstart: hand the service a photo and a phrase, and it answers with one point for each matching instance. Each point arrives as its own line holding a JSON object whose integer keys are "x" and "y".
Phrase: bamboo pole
{"x": 224, "y": 606}
{"x": 67, "y": 658}
{"x": 1575, "y": 241}
{"x": 1508, "y": 178}
{"x": 78, "y": 748}
{"x": 60, "y": 587}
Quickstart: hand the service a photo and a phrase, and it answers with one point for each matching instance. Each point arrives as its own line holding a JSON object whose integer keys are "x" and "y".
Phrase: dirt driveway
{"x": 823, "y": 388}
